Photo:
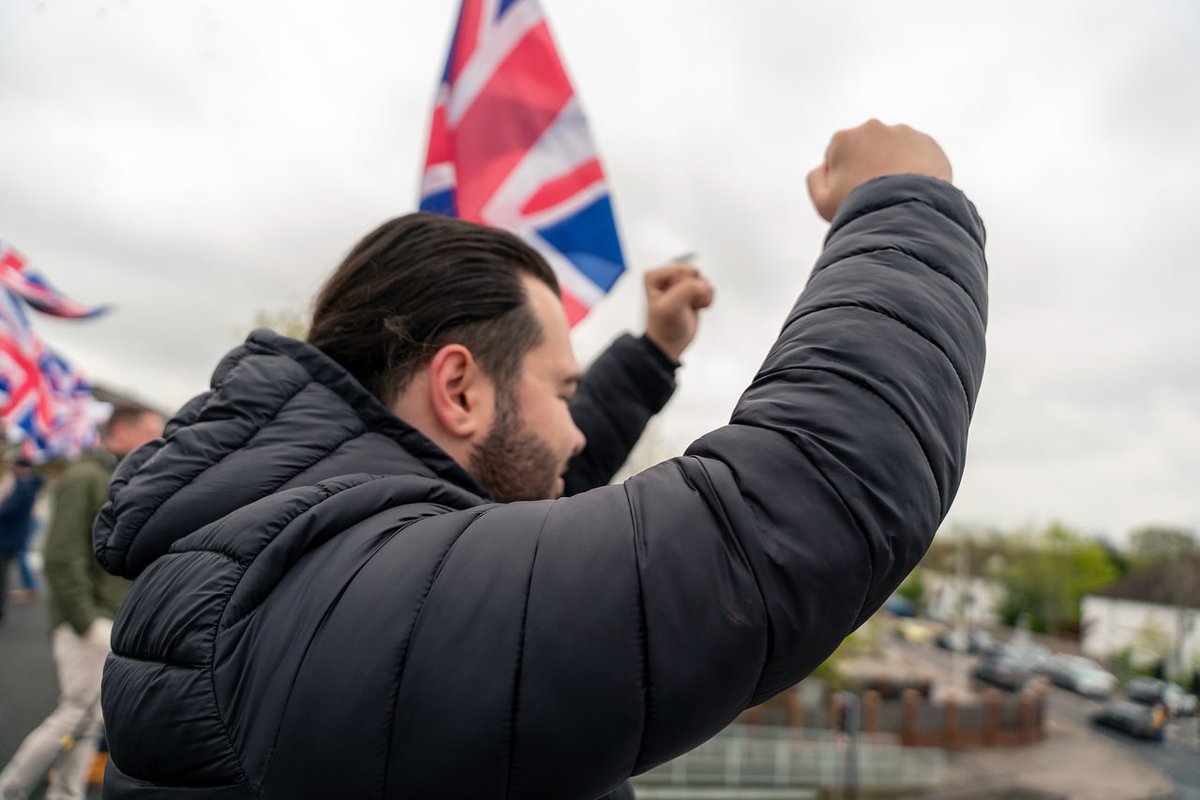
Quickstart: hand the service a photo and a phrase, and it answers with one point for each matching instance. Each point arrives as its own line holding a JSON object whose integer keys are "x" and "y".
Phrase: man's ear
{"x": 460, "y": 393}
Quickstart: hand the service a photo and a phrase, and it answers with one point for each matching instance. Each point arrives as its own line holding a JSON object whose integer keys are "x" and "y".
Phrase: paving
{"x": 28, "y": 686}
{"x": 1073, "y": 762}
{"x": 1076, "y": 760}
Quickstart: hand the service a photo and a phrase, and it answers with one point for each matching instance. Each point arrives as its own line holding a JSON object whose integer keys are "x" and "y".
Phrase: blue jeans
{"x": 28, "y": 577}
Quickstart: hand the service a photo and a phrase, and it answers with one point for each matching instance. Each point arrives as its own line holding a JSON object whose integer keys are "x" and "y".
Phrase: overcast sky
{"x": 196, "y": 161}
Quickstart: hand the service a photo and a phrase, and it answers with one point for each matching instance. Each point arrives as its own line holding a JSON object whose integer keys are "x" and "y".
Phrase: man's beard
{"x": 512, "y": 463}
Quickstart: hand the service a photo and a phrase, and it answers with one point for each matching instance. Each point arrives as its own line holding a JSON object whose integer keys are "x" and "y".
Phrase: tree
{"x": 287, "y": 321}
{"x": 1151, "y": 545}
{"x": 913, "y": 590}
{"x": 1151, "y": 644}
{"x": 1047, "y": 575}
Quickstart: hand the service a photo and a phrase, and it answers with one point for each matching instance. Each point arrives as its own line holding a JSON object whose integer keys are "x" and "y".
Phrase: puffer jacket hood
{"x": 281, "y": 414}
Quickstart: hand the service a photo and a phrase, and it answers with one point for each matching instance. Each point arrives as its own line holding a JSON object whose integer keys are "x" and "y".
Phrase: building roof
{"x": 985, "y": 556}
{"x": 108, "y": 394}
{"x": 1173, "y": 584}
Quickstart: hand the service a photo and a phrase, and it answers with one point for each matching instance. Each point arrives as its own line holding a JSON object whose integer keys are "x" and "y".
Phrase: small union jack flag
{"x": 509, "y": 147}
{"x": 17, "y": 276}
{"x": 44, "y": 403}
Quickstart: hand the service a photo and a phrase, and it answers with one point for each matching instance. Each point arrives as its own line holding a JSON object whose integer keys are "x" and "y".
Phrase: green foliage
{"x": 1152, "y": 545}
{"x": 1047, "y": 575}
{"x": 1151, "y": 644}
{"x": 287, "y": 321}
{"x": 1118, "y": 556}
{"x": 829, "y": 674}
{"x": 865, "y": 641}
{"x": 913, "y": 590}
{"x": 1126, "y": 665}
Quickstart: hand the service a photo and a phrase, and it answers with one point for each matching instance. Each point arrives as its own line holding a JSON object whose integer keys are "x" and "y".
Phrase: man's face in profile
{"x": 533, "y": 437}
{"x": 129, "y": 435}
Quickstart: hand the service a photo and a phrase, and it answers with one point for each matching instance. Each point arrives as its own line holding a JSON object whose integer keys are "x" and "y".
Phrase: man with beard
{"x": 350, "y": 581}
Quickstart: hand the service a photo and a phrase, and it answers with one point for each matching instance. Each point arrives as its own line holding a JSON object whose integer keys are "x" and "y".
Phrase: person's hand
{"x": 675, "y": 294}
{"x": 871, "y": 150}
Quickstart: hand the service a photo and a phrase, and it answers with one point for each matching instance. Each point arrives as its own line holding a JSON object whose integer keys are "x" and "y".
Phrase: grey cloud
{"x": 195, "y": 162}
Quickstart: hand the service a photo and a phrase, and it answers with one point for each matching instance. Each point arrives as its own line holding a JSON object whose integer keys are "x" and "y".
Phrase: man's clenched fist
{"x": 675, "y": 294}
{"x": 857, "y": 155}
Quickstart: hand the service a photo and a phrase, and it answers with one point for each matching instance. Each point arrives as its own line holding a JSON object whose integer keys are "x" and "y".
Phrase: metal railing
{"x": 768, "y": 757}
{"x": 722, "y": 793}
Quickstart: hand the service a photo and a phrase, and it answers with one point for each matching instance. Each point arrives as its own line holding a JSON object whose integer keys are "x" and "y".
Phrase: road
{"x": 1178, "y": 756}
{"x": 28, "y": 687}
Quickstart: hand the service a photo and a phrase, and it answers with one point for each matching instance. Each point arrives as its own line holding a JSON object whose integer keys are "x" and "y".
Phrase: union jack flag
{"x": 44, "y": 403}
{"x": 17, "y": 276}
{"x": 509, "y": 147}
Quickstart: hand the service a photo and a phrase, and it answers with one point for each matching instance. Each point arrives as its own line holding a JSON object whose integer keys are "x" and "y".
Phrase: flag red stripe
{"x": 28, "y": 381}
{"x": 467, "y": 36}
{"x": 575, "y": 309}
{"x": 521, "y": 99}
{"x": 556, "y": 191}
{"x": 439, "y": 139}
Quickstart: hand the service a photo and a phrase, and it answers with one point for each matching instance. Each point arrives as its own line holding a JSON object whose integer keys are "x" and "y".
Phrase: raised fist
{"x": 857, "y": 155}
{"x": 675, "y": 296}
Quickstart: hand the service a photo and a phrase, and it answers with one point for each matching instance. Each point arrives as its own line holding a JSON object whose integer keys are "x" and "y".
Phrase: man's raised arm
{"x": 634, "y": 378}
{"x": 648, "y": 615}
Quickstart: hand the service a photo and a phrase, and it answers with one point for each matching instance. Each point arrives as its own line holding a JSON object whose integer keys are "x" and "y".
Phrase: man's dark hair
{"x": 420, "y": 282}
{"x": 124, "y": 414}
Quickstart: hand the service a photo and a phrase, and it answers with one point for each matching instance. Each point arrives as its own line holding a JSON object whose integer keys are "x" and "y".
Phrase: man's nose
{"x": 580, "y": 441}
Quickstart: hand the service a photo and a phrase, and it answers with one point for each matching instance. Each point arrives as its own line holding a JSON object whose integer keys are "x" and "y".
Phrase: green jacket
{"x": 79, "y": 588}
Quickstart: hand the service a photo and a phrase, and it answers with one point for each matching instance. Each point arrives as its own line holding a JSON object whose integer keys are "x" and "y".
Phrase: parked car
{"x": 954, "y": 640}
{"x": 967, "y": 641}
{"x": 983, "y": 643}
{"x": 1134, "y": 719}
{"x": 1171, "y": 696}
{"x": 912, "y": 630}
{"x": 1079, "y": 674}
{"x": 1006, "y": 671}
{"x": 1034, "y": 655}
{"x": 900, "y": 606}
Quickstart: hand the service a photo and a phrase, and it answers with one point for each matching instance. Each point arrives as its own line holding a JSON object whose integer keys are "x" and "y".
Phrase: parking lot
{"x": 1176, "y": 757}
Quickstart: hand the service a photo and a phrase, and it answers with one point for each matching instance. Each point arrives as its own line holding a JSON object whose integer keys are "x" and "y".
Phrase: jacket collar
{"x": 377, "y": 418}
{"x": 223, "y": 452}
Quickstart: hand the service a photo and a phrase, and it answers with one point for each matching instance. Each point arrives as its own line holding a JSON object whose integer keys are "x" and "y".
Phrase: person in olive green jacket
{"x": 83, "y": 600}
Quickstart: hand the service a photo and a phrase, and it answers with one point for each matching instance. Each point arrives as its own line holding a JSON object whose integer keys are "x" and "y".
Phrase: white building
{"x": 978, "y": 597}
{"x": 1154, "y": 614}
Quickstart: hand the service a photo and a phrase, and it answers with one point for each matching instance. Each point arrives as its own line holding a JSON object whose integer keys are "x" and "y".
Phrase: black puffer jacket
{"x": 372, "y": 628}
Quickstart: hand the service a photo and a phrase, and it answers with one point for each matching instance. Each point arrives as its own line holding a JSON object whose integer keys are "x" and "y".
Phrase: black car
{"x": 983, "y": 643}
{"x": 1152, "y": 692}
{"x": 973, "y": 641}
{"x": 1133, "y": 718}
{"x": 1006, "y": 671}
{"x": 954, "y": 640}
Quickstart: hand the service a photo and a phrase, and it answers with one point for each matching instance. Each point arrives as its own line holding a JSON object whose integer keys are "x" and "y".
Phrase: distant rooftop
{"x": 1175, "y": 583}
{"x": 107, "y": 394}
